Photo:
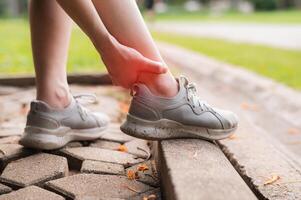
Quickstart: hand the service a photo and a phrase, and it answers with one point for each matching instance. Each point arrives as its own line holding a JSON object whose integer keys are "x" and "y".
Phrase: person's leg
{"x": 55, "y": 118}
{"x": 123, "y": 63}
{"x": 124, "y": 21}
{"x": 150, "y": 116}
{"x": 50, "y": 33}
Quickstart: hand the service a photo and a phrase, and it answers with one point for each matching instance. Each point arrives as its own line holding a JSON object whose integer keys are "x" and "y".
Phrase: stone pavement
{"x": 115, "y": 166}
{"x": 265, "y": 149}
{"x": 275, "y": 35}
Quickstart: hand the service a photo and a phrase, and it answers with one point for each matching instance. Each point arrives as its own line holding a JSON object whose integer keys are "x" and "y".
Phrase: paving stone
{"x": 105, "y": 155}
{"x": 10, "y": 131}
{"x": 196, "y": 169}
{"x": 258, "y": 157}
{"x": 4, "y": 189}
{"x": 116, "y": 135}
{"x": 31, "y": 193}
{"x": 149, "y": 195}
{"x": 149, "y": 176}
{"x": 104, "y": 103}
{"x": 34, "y": 170}
{"x": 10, "y": 140}
{"x": 12, "y": 121}
{"x": 105, "y": 144}
{"x": 9, "y": 152}
{"x": 96, "y": 185}
{"x": 89, "y": 197}
{"x": 107, "y": 105}
{"x": 138, "y": 147}
{"x": 98, "y": 167}
{"x": 6, "y": 90}
{"x": 74, "y": 144}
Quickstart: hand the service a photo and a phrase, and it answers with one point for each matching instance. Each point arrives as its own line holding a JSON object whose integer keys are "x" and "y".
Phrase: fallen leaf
{"x": 122, "y": 148}
{"x": 293, "y": 131}
{"x": 150, "y": 197}
{"x": 142, "y": 167}
{"x": 132, "y": 175}
{"x": 124, "y": 107}
{"x": 247, "y": 106}
{"x": 271, "y": 180}
{"x": 132, "y": 189}
{"x": 232, "y": 137}
{"x": 24, "y": 109}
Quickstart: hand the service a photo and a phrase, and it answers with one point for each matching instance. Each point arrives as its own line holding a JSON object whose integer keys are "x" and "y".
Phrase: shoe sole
{"x": 45, "y": 139}
{"x": 168, "y": 129}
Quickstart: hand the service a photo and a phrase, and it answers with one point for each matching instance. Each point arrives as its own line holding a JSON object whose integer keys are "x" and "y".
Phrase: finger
{"x": 153, "y": 67}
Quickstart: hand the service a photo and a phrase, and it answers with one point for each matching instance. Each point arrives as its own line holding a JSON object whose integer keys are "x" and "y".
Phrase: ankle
{"x": 163, "y": 85}
{"x": 58, "y": 97}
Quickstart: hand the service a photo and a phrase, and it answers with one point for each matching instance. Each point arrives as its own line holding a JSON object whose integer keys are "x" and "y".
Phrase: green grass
{"x": 281, "y": 65}
{"x": 287, "y": 16}
{"x": 16, "y": 57}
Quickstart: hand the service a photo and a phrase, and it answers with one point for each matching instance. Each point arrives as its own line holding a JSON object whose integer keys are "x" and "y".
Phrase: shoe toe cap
{"x": 229, "y": 119}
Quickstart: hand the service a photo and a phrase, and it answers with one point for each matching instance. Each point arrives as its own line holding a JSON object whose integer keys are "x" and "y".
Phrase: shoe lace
{"x": 194, "y": 98}
{"x": 84, "y": 98}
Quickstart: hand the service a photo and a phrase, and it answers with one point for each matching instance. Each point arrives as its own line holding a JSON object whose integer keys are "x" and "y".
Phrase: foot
{"x": 183, "y": 116}
{"x": 48, "y": 128}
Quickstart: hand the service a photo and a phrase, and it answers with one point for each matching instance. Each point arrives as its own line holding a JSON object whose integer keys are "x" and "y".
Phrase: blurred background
{"x": 263, "y": 36}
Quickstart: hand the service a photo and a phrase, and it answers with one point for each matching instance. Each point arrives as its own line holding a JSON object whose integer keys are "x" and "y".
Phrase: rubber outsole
{"x": 38, "y": 138}
{"x": 167, "y": 129}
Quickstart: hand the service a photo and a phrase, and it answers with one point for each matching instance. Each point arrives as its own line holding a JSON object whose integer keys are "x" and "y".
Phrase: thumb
{"x": 153, "y": 66}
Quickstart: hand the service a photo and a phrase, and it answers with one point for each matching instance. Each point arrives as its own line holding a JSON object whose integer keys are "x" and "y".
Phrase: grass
{"x": 16, "y": 57}
{"x": 281, "y": 65}
{"x": 285, "y": 16}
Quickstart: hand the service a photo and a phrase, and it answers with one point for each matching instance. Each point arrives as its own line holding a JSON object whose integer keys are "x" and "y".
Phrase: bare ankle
{"x": 161, "y": 85}
{"x": 58, "y": 97}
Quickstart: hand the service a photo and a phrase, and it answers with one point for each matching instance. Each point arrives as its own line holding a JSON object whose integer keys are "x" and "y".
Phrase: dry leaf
{"x": 272, "y": 180}
{"x": 24, "y": 109}
{"x": 142, "y": 167}
{"x": 122, "y": 148}
{"x": 247, "y": 106}
{"x": 293, "y": 131}
{"x": 124, "y": 107}
{"x": 232, "y": 137}
{"x": 132, "y": 175}
{"x": 150, "y": 197}
{"x": 132, "y": 189}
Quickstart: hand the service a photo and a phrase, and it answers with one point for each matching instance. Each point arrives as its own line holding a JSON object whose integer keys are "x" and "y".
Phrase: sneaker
{"x": 48, "y": 128}
{"x": 183, "y": 116}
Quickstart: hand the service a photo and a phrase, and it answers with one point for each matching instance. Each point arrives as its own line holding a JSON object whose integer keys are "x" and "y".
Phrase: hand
{"x": 125, "y": 64}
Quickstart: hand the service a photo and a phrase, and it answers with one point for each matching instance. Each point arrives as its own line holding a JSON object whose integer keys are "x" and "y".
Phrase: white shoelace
{"x": 84, "y": 97}
{"x": 194, "y": 98}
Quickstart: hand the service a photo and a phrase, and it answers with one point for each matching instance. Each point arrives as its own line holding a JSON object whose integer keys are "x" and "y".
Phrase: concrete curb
{"x": 282, "y": 100}
{"x": 84, "y": 79}
{"x": 196, "y": 169}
